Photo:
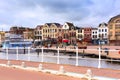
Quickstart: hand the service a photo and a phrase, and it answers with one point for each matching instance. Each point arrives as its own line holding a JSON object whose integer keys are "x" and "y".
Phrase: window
{"x": 118, "y": 21}
{"x": 65, "y": 26}
{"x": 80, "y": 31}
{"x": 105, "y": 30}
{"x": 99, "y": 30}
{"x": 102, "y": 30}
{"x": 117, "y": 26}
{"x": 111, "y": 27}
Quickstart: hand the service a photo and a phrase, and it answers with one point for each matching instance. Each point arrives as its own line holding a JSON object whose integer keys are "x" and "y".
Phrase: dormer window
{"x": 65, "y": 26}
{"x": 118, "y": 21}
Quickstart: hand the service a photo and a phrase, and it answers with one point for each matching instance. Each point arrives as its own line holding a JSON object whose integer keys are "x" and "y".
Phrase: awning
{"x": 65, "y": 40}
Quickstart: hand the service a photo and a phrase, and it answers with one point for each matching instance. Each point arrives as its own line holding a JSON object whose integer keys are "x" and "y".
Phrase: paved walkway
{"x": 69, "y": 68}
{"x": 18, "y": 74}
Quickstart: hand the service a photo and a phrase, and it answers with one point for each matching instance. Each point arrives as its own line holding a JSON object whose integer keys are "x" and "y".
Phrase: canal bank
{"x": 105, "y": 54}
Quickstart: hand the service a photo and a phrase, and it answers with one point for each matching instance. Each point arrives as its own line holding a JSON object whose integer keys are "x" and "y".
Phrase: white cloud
{"x": 30, "y": 13}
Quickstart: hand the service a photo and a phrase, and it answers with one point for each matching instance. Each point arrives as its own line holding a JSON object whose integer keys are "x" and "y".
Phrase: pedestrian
{"x": 106, "y": 51}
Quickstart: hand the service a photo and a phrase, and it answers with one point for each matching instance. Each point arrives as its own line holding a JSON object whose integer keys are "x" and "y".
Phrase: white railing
{"x": 30, "y": 54}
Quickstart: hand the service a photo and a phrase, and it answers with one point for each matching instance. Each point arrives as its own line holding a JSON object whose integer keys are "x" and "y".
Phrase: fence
{"x": 103, "y": 58}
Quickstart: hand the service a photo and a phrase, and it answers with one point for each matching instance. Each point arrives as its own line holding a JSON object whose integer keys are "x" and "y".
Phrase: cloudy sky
{"x": 30, "y": 13}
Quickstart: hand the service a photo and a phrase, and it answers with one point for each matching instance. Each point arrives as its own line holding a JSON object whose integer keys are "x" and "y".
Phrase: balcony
{"x": 117, "y": 34}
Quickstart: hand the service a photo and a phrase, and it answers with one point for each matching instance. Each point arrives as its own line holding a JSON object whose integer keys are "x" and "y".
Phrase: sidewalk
{"x": 69, "y": 68}
{"x": 7, "y": 73}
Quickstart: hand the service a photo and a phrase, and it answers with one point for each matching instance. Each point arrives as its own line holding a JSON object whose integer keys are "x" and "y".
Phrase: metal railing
{"x": 77, "y": 57}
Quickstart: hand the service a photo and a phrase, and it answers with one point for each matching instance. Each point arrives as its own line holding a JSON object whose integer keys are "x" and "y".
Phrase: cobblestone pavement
{"x": 69, "y": 68}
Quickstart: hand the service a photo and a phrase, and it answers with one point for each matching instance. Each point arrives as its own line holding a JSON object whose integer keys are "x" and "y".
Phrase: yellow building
{"x": 114, "y": 30}
{"x": 80, "y": 34}
{"x": 2, "y": 36}
{"x": 50, "y": 30}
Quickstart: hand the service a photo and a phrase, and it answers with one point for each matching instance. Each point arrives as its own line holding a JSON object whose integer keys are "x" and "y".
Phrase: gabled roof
{"x": 69, "y": 24}
{"x": 39, "y": 27}
{"x": 49, "y": 24}
{"x": 57, "y": 24}
{"x": 105, "y": 24}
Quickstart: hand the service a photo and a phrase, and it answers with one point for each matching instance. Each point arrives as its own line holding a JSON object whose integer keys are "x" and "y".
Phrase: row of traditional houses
{"x": 68, "y": 31}
{"x": 104, "y": 33}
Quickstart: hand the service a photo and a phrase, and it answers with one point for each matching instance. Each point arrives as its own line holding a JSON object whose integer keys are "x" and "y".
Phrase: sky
{"x": 30, "y": 13}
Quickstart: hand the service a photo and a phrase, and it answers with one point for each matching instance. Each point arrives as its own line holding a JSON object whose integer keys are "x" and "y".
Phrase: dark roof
{"x": 103, "y": 24}
{"x": 49, "y": 24}
{"x": 17, "y": 27}
{"x": 39, "y": 26}
{"x": 70, "y": 24}
{"x": 57, "y": 24}
{"x": 77, "y": 27}
{"x": 113, "y": 18}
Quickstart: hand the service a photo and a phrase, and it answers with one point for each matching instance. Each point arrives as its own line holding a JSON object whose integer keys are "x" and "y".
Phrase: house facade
{"x": 50, "y": 31}
{"x": 114, "y": 30}
{"x": 38, "y": 32}
{"x": 103, "y": 33}
{"x": 69, "y": 33}
{"x": 2, "y": 36}
{"x": 17, "y": 30}
{"x": 28, "y": 34}
{"x": 87, "y": 35}
{"x": 80, "y": 34}
{"x": 94, "y": 35}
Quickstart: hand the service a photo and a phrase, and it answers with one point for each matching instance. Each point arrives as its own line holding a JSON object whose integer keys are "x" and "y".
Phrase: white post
{"x": 58, "y": 57}
{"x": 76, "y": 56}
{"x": 28, "y": 53}
{"x": 42, "y": 55}
{"x": 99, "y": 63}
{"x": 17, "y": 53}
{"x": 7, "y": 53}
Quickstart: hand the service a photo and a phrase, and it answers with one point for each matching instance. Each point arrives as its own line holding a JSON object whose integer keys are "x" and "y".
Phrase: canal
{"x": 52, "y": 57}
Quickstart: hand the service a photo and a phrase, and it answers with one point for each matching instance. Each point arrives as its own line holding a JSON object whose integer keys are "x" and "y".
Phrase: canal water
{"x": 64, "y": 58}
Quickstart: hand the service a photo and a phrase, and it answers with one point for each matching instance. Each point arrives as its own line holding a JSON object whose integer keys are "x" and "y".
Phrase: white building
{"x": 103, "y": 33}
{"x": 94, "y": 35}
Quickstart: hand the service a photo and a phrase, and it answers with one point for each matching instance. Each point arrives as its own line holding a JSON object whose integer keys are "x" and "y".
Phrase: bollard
{"x": 8, "y": 63}
{"x": 89, "y": 74}
{"x": 61, "y": 70}
{"x": 40, "y": 67}
{"x": 23, "y": 64}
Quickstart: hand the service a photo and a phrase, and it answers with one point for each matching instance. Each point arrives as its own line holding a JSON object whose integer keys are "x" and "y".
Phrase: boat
{"x": 14, "y": 42}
